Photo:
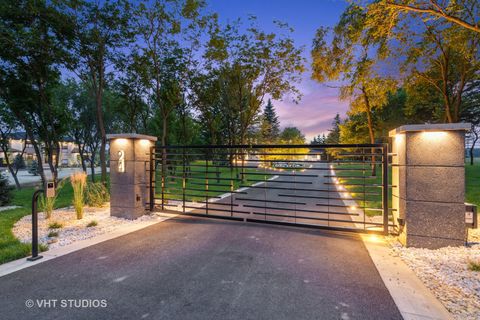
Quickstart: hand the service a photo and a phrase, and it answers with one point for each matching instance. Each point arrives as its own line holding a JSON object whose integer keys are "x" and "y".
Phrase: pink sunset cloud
{"x": 313, "y": 115}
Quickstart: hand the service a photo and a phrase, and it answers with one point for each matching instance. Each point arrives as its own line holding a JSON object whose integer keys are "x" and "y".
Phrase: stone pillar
{"x": 428, "y": 171}
{"x": 129, "y": 174}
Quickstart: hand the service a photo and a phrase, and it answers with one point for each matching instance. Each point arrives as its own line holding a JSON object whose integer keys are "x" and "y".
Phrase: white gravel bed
{"x": 72, "y": 229}
{"x": 445, "y": 272}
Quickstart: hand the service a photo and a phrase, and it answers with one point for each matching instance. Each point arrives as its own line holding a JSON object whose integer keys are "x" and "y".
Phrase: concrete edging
{"x": 22, "y": 263}
{"x": 413, "y": 299}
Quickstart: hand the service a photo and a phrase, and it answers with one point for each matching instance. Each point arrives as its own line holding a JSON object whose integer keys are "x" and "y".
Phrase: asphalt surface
{"x": 200, "y": 268}
{"x": 286, "y": 198}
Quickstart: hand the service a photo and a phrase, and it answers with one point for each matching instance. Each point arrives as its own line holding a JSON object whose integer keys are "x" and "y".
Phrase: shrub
{"x": 78, "y": 181}
{"x": 33, "y": 169}
{"x": 18, "y": 162}
{"x": 474, "y": 265}
{"x": 96, "y": 194}
{"x": 5, "y": 191}
{"x": 52, "y": 234}
{"x": 55, "y": 225}
{"x": 48, "y": 204}
{"x": 92, "y": 223}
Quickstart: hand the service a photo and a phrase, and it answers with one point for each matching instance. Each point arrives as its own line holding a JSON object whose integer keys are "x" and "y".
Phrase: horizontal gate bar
{"x": 300, "y": 177}
{"x": 312, "y": 226}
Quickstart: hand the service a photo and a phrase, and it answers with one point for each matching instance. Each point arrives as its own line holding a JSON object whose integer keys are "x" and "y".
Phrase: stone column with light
{"x": 129, "y": 174}
{"x": 428, "y": 178}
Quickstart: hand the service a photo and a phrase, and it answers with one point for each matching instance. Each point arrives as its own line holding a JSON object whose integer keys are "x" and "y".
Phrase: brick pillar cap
{"x": 461, "y": 126}
{"x": 130, "y": 136}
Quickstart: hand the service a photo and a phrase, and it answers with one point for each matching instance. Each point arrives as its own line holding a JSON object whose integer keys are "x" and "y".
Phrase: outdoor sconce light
{"x": 434, "y": 135}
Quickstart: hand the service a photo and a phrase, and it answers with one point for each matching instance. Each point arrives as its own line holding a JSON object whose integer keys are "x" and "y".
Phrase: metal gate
{"x": 341, "y": 187}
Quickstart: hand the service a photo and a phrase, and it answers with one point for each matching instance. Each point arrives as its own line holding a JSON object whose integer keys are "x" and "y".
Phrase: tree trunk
{"x": 82, "y": 156}
{"x": 370, "y": 129}
{"x": 92, "y": 170}
{"x": 10, "y": 168}
{"x": 472, "y": 148}
{"x": 39, "y": 161}
{"x": 103, "y": 135}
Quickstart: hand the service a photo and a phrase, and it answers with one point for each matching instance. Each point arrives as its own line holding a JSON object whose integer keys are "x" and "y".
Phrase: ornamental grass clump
{"x": 78, "y": 181}
{"x": 474, "y": 265}
{"x": 96, "y": 194}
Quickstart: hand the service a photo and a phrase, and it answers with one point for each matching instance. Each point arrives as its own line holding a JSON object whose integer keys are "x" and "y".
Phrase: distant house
{"x": 69, "y": 155}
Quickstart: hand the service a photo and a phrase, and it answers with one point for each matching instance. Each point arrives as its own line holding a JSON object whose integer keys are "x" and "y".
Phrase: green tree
{"x": 471, "y": 114}
{"x": 351, "y": 57}
{"x": 133, "y": 110}
{"x": 5, "y": 191}
{"x": 9, "y": 125}
{"x": 36, "y": 38}
{"x": 292, "y": 135}
{"x": 270, "y": 126}
{"x": 103, "y": 30}
{"x": 320, "y": 139}
{"x": 82, "y": 122}
{"x": 251, "y": 65}
{"x": 436, "y": 55}
{"x": 333, "y": 136}
{"x": 169, "y": 33}
{"x": 463, "y": 13}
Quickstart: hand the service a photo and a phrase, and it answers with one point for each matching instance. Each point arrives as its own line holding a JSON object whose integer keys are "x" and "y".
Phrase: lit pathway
{"x": 194, "y": 268}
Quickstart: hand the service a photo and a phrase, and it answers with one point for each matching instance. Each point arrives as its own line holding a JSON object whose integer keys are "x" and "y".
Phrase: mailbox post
{"x": 49, "y": 192}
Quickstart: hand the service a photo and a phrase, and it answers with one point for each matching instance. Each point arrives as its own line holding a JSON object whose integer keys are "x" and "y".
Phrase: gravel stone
{"x": 445, "y": 272}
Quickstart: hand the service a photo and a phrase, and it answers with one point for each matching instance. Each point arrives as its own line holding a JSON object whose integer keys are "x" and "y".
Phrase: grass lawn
{"x": 363, "y": 186}
{"x": 220, "y": 180}
{"x": 10, "y": 247}
{"x": 472, "y": 175}
{"x": 472, "y": 181}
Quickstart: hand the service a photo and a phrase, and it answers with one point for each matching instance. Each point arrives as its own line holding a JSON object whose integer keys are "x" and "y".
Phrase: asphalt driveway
{"x": 198, "y": 268}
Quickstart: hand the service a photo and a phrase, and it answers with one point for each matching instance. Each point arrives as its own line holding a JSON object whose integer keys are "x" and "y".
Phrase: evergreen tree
{"x": 5, "y": 191}
{"x": 270, "y": 125}
{"x": 34, "y": 168}
{"x": 18, "y": 162}
{"x": 334, "y": 134}
{"x": 320, "y": 139}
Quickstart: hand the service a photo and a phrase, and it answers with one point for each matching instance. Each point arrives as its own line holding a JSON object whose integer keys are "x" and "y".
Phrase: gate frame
{"x": 385, "y": 183}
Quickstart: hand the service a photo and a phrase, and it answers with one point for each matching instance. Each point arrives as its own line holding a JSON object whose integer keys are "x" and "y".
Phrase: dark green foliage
{"x": 55, "y": 225}
{"x": 320, "y": 139}
{"x": 334, "y": 134}
{"x": 270, "y": 128}
{"x": 292, "y": 135}
{"x": 18, "y": 162}
{"x": 92, "y": 223}
{"x": 34, "y": 168}
{"x": 5, "y": 191}
{"x": 53, "y": 234}
{"x": 474, "y": 266}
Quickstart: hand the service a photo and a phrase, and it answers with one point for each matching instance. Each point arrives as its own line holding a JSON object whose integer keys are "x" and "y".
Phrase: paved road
{"x": 286, "y": 197}
{"x": 194, "y": 268}
{"x": 27, "y": 179}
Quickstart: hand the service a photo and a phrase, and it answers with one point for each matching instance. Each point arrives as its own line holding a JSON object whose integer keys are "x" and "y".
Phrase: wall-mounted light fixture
{"x": 121, "y": 141}
{"x": 434, "y": 135}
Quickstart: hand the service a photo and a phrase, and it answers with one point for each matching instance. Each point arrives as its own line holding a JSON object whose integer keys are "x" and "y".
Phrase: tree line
{"x": 82, "y": 69}
{"x": 400, "y": 62}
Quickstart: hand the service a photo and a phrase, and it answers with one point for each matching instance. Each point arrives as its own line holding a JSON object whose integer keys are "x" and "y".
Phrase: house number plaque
{"x": 121, "y": 161}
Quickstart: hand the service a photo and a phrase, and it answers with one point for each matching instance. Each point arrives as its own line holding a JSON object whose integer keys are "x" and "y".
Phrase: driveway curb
{"x": 413, "y": 299}
{"x": 22, "y": 263}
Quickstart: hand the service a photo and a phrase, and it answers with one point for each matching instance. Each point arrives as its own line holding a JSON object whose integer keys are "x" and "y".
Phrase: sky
{"x": 313, "y": 115}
